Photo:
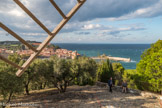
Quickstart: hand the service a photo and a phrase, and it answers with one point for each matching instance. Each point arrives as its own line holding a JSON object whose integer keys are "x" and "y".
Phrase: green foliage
{"x": 85, "y": 71}
{"x": 130, "y": 76}
{"x": 40, "y": 68}
{"x": 42, "y": 73}
{"x": 10, "y": 84}
{"x": 79, "y": 71}
{"x": 118, "y": 72}
{"x": 53, "y": 46}
{"x": 28, "y": 76}
{"x": 105, "y": 71}
{"x": 149, "y": 69}
{"x": 37, "y": 75}
{"x": 61, "y": 74}
{"x": 154, "y": 48}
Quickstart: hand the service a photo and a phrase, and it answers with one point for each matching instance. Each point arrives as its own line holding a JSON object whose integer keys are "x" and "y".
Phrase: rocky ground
{"x": 86, "y": 97}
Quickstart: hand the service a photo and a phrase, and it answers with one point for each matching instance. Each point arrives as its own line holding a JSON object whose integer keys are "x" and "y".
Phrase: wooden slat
{"x": 79, "y": 1}
{"x": 32, "y": 16}
{"x": 58, "y": 9}
{"x": 17, "y": 36}
{"x": 49, "y": 38}
{"x": 9, "y": 62}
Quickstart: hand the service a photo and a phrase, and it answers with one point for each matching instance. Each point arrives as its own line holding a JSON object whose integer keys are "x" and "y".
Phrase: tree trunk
{"x": 3, "y": 106}
{"x": 27, "y": 89}
{"x": 44, "y": 85}
{"x": 9, "y": 98}
{"x": 57, "y": 86}
{"x": 63, "y": 87}
{"x": 40, "y": 86}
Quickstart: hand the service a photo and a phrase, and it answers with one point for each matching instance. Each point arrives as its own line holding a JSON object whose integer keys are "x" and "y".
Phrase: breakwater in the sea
{"x": 112, "y": 58}
{"x": 132, "y": 51}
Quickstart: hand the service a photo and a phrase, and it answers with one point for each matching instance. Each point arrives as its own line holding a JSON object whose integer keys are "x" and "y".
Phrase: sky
{"x": 97, "y": 21}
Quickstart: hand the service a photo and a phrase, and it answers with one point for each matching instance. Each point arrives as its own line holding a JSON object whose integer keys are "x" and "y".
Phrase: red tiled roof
{"x": 36, "y": 43}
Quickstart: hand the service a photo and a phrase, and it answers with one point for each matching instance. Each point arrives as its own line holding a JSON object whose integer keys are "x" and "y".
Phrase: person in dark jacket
{"x": 124, "y": 85}
{"x": 110, "y": 84}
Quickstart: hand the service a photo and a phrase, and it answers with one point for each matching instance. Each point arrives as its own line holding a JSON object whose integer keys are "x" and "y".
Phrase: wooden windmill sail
{"x": 50, "y": 36}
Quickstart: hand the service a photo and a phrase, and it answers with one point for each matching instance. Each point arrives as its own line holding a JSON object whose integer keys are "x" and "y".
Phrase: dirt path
{"x": 86, "y": 97}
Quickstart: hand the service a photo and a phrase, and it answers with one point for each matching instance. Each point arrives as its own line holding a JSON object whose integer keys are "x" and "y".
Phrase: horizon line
{"x": 99, "y": 43}
{"x": 77, "y": 43}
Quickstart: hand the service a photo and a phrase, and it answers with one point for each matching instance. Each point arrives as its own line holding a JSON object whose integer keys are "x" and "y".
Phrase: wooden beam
{"x": 58, "y": 9}
{"x": 49, "y": 38}
{"x": 79, "y": 1}
{"x": 17, "y": 36}
{"x": 32, "y": 16}
{"x": 9, "y": 62}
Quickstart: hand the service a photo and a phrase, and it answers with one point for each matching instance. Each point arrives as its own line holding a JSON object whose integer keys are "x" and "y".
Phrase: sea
{"x": 132, "y": 51}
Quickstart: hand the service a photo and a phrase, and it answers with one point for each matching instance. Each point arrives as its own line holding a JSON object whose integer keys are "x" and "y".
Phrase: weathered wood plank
{"x": 50, "y": 37}
{"x": 58, "y": 9}
{"x": 79, "y": 1}
{"x": 17, "y": 36}
{"x": 9, "y": 62}
{"x": 32, "y": 16}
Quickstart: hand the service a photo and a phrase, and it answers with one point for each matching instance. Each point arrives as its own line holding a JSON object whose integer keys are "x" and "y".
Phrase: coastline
{"x": 112, "y": 58}
{"x": 132, "y": 51}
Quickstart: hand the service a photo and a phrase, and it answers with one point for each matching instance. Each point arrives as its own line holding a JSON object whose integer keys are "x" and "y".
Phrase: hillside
{"x": 15, "y": 42}
{"x": 86, "y": 97}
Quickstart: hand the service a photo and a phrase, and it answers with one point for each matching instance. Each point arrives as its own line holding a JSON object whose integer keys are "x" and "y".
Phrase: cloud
{"x": 91, "y": 26}
{"x": 34, "y": 34}
{"x": 147, "y": 12}
{"x": 116, "y": 31}
{"x": 83, "y": 33}
{"x": 94, "y": 9}
{"x": 83, "y": 22}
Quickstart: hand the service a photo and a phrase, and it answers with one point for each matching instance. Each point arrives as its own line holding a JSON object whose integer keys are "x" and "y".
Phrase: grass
{"x": 14, "y": 45}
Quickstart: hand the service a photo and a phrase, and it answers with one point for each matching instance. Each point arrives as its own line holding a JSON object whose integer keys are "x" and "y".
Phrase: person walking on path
{"x": 124, "y": 85}
{"x": 110, "y": 84}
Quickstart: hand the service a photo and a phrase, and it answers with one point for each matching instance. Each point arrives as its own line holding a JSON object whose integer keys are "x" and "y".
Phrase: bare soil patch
{"x": 85, "y": 97}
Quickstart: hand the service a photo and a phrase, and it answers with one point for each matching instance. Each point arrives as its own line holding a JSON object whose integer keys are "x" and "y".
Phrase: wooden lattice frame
{"x": 51, "y": 35}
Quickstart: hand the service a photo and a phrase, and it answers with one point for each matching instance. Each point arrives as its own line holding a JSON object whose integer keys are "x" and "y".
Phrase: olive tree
{"x": 10, "y": 84}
